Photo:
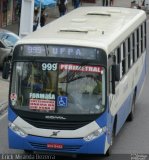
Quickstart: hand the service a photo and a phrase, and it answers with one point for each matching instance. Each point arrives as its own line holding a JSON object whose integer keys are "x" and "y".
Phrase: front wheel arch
{"x": 113, "y": 133}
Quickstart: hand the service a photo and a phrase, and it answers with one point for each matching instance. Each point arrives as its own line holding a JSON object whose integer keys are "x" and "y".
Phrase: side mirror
{"x": 116, "y": 76}
{"x": 6, "y": 70}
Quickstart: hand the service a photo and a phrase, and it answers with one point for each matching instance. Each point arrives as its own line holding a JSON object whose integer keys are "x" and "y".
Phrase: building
{"x": 9, "y": 12}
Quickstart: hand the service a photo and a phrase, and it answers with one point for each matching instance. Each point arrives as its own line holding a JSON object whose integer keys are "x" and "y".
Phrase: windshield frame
{"x": 101, "y": 60}
{"x": 53, "y": 60}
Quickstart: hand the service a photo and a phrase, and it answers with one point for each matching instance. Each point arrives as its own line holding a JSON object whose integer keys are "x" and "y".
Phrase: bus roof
{"x": 100, "y": 27}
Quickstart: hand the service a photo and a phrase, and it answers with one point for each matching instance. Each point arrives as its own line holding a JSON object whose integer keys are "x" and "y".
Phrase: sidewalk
{"x": 52, "y": 14}
{"x": 4, "y": 88}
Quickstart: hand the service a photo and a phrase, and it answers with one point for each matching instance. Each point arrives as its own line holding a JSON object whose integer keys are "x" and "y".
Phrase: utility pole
{"x": 26, "y": 19}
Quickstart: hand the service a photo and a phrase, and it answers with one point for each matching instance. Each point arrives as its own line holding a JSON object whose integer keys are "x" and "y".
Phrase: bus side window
{"x": 110, "y": 79}
{"x": 118, "y": 56}
{"x": 110, "y": 61}
{"x": 123, "y": 60}
{"x": 133, "y": 46}
{"x": 119, "y": 60}
{"x": 138, "y": 42}
{"x": 145, "y": 33}
{"x": 126, "y": 55}
{"x": 116, "y": 61}
{"x": 142, "y": 39}
{"x": 131, "y": 50}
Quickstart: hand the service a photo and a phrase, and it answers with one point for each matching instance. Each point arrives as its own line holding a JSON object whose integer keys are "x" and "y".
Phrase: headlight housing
{"x": 17, "y": 130}
{"x": 95, "y": 134}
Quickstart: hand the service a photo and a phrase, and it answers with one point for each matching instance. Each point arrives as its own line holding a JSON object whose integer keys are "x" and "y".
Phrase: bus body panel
{"x": 70, "y": 145}
{"x": 125, "y": 108}
{"x": 11, "y": 114}
{"x": 127, "y": 85}
{"x": 97, "y": 146}
{"x": 84, "y": 131}
{"x": 125, "y": 23}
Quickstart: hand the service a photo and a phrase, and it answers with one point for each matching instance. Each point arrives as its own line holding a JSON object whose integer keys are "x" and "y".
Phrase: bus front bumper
{"x": 75, "y": 146}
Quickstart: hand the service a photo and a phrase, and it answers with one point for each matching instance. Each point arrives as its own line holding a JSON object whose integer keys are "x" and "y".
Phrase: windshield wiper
{"x": 72, "y": 75}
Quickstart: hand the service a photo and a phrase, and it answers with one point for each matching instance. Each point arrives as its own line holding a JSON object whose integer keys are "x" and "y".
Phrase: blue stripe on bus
{"x": 102, "y": 120}
{"x": 11, "y": 115}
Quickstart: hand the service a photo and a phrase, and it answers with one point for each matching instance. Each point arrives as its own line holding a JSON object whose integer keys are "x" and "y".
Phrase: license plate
{"x": 54, "y": 146}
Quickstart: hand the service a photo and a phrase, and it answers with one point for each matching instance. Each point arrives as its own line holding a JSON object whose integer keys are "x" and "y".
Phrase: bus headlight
{"x": 95, "y": 134}
{"x": 17, "y": 130}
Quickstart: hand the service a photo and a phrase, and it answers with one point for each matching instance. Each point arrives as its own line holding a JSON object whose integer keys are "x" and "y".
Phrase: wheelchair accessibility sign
{"x": 62, "y": 101}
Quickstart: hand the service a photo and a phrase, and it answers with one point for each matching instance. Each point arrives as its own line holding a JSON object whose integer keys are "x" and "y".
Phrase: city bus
{"x": 75, "y": 82}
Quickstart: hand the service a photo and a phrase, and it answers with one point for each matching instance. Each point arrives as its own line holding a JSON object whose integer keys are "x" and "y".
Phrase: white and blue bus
{"x": 75, "y": 81}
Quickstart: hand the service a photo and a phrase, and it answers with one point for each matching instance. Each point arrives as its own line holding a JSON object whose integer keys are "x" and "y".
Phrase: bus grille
{"x": 69, "y": 148}
{"x": 57, "y": 125}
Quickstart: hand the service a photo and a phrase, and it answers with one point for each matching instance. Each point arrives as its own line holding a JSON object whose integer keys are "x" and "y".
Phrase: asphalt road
{"x": 131, "y": 143}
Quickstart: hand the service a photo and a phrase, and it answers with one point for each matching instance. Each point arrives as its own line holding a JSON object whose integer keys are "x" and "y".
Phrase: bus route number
{"x": 49, "y": 66}
{"x": 32, "y": 50}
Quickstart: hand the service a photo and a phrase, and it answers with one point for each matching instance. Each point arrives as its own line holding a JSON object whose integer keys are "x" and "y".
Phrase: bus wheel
{"x": 131, "y": 114}
{"x": 28, "y": 152}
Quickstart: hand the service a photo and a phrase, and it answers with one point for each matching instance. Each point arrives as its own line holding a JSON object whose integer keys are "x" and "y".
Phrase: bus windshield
{"x": 58, "y": 88}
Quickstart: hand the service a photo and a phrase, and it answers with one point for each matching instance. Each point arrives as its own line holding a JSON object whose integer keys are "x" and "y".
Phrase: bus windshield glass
{"x": 58, "y": 88}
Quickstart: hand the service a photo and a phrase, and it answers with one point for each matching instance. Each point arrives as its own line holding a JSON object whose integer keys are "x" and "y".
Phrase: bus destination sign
{"x": 62, "y": 51}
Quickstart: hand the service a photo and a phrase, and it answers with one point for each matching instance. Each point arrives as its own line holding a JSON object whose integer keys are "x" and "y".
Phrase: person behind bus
{"x": 111, "y": 2}
{"x": 76, "y": 3}
{"x": 42, "y": 18}
{"x": 36, "y": 19}
{"x": 62, "y": 6}
{"x": 37, "y": 84}
{"x": 105, "y": 2}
